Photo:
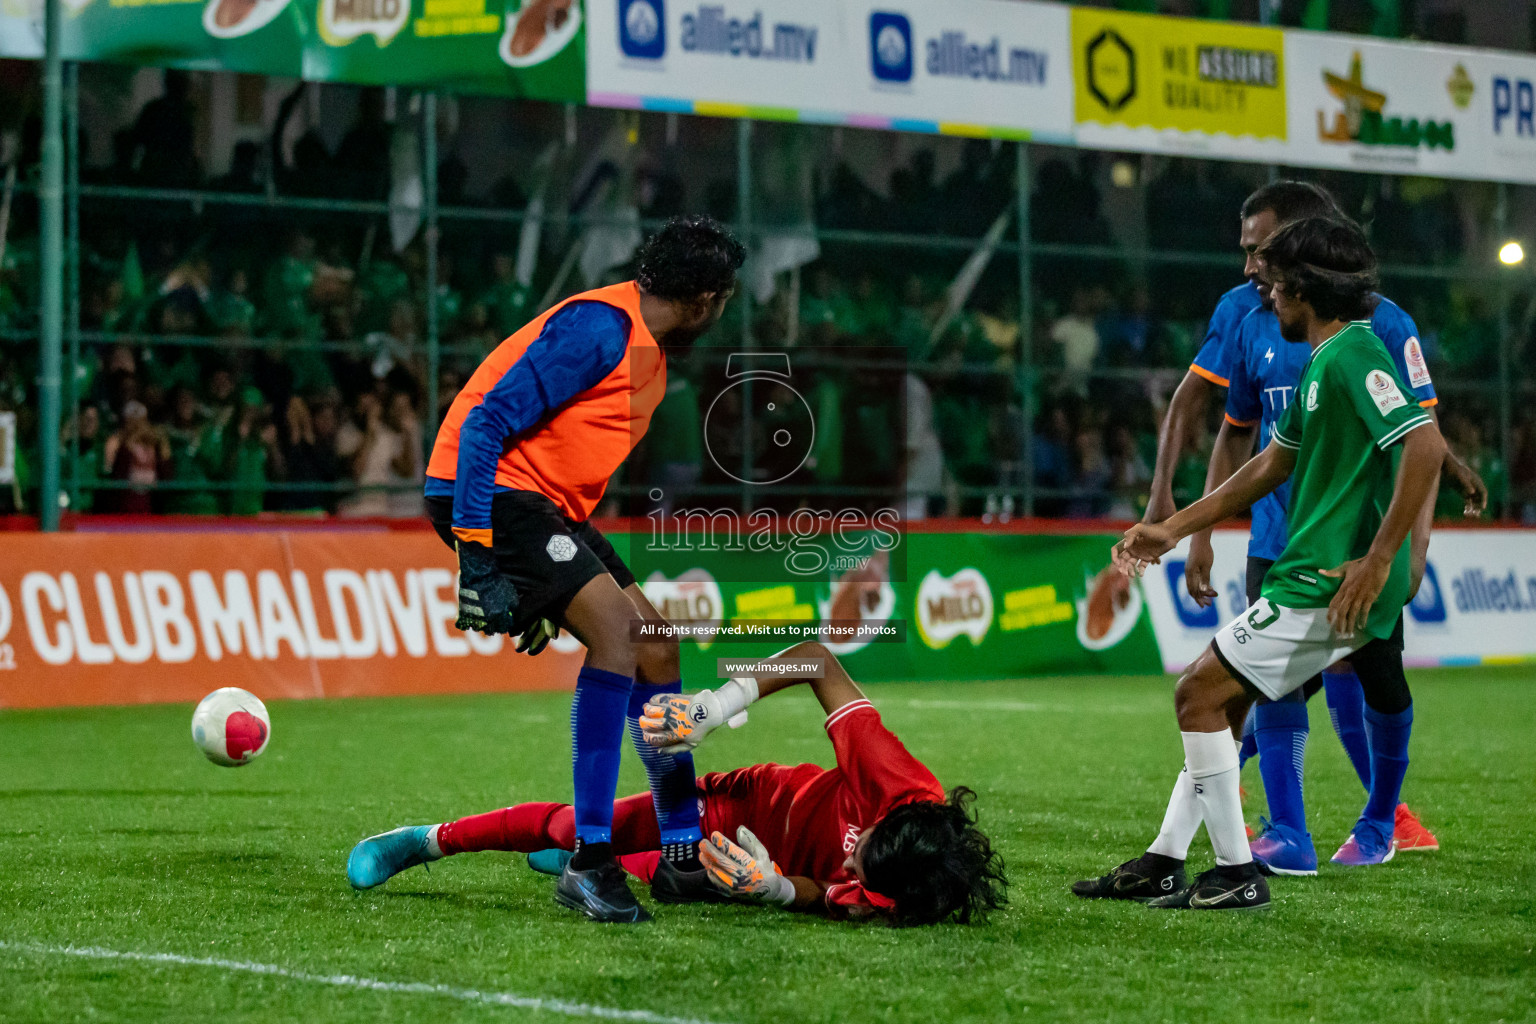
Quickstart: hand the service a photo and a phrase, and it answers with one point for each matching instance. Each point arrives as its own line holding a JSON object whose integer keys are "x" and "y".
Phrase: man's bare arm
{"x": 834, "y": 689}
{"x": 1233, "y": 449}
{"x": 1185, "y": 409}
{"x": 1147, "y": 543}
{"x": 1256, "y": 478}
{"x": 809, "y": 894}
{"x": 1462, "y": 477}
{"x": 1418, "y": 541}
{"x": 674, "y": 724}
{"x": 1417, "y": 473}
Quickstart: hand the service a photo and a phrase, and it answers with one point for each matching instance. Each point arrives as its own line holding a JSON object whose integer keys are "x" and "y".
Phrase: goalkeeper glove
{"x": 537, "y": 637}
{"x": 487, "y": 599}
{"x": 676, "y": 724}
{"x": 744, "y": 870}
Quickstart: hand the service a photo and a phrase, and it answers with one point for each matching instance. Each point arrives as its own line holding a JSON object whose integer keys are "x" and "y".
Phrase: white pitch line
{"x": 1022, "y": 705}
{"x": 419, "y": 988}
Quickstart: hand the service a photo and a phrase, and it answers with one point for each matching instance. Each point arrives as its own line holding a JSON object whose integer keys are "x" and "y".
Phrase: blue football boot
{"x": 1281, "y": 850}
{"x": 1367, "y": 845}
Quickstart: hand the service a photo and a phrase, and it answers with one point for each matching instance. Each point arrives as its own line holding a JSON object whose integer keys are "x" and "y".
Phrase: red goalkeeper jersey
{"x": 809, "y": 817}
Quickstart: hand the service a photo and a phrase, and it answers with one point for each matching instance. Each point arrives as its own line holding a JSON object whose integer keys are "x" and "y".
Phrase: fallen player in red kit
{"x": 874, "y": 836}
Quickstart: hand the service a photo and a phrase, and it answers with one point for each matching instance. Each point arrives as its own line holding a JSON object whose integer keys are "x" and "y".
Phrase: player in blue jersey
{"x": 1245, "y": 354}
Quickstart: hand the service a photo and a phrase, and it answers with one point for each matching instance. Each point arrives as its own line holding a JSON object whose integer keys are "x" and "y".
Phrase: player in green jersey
{"x": 1363, "y": 463}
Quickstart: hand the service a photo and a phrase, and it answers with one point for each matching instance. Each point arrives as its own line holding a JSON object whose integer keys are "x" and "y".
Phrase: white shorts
{"x": 1278, "y": 649}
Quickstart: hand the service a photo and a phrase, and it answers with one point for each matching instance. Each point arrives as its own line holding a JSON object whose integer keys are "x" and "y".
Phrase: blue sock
{"x": 1388, "y": 736}
{"x": 1250, "y": 746}
{"x": 1280, "y": 731}
{"x": 597, "y": 736}
{"x": 1346, "y": 709}
{"x": 672, "y": 787}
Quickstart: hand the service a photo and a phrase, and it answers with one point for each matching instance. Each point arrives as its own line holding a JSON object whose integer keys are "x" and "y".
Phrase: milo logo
{"x": 952, "y": 606}
{"x": 692, "y": 599}
{"x": 342, "y": 21}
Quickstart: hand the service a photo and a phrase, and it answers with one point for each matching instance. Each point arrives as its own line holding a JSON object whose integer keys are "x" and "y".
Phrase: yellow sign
{"x": 1033, "y": 606}
{"x": 771, "y": 604}
{"x": 1145, "y": 71}
{"x": 456, "y": 18}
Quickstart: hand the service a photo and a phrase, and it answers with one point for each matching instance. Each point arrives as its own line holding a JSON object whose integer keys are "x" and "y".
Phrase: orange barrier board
{"x": 143, "y": 617}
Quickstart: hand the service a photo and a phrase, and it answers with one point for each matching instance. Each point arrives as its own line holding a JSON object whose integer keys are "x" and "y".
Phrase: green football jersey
{"x": 1349, "y": 412}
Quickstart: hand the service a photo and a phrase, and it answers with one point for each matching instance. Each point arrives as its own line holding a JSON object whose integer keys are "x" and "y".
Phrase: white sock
{"x": 433, "y": 850}
{"x": 1180, "y": 822}
{"x": 1211, "y": 761}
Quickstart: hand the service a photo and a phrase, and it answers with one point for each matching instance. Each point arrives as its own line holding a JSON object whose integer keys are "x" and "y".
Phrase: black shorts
{"x": 529, "y": 536}
{"x": 1376, "y": 650}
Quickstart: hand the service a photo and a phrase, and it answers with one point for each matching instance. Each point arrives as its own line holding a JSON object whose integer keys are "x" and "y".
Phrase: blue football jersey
{"x": 1265, "y": 370}
{"x": 1214, "y": 360}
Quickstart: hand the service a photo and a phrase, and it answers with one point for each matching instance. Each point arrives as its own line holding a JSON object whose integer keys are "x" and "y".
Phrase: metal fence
{"x": 1044, "y": 265}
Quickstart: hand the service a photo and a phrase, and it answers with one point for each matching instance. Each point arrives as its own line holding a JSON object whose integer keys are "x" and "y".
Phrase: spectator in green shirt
{"x": 383, "y": 284}
{"x": 287, "y": 285}
{"x": 230, "y": 307}
{"x": 197, "y": 455}
{"x": 823, "y": 308}
{"x": 869, "y": 314}
{"x": 678, "y": 463}
{"x": 506, "y": 301}
{"x": 86, "y": 439}
{"x": 252, "y": 456}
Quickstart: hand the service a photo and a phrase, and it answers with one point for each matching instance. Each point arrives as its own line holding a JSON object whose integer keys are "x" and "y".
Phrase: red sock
{"x": 521, "y": 829}
{"x": 528, "y": 828}
{"x": 641, "y": 865}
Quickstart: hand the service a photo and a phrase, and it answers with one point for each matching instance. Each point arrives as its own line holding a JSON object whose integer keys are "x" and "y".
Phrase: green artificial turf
{"x": 116, "y": 834}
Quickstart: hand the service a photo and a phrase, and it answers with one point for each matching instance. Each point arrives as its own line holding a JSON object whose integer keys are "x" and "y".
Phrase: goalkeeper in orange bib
{"x": 520, "y": 463}
{"x": 874, "y": 836}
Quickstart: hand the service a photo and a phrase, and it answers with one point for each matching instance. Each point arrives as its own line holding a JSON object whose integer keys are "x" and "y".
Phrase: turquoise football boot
{"x": 378, "y": 858}
{"x": 549, "y": 862}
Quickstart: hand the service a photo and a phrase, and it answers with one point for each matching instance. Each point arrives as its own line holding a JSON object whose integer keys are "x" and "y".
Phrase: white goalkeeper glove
{"x": 675, "y": 724}
{"x": 743, "y": 869}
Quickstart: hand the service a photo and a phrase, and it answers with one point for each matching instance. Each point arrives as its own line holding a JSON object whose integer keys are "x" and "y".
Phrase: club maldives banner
{"x": 525, "y": 48}
{"x": 110, "y": 618}
{"x": 115, "y": 618}
{"x": 996, "y": 68}
{"x": 1476, "y": 606}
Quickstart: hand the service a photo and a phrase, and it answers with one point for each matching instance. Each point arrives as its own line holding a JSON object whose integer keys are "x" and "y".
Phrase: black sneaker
{"x": 1146, "y": 878}
{"x": 601, "y": 893}
{"x": 1221, "y": 889}
{"x": 671, "y": 884}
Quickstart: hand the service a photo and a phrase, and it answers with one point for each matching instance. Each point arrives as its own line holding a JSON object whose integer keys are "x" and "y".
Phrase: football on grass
{"x": 231, "y": 727}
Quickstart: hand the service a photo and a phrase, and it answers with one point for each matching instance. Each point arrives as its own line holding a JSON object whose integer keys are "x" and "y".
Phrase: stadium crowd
{"x": 239, "y": 358}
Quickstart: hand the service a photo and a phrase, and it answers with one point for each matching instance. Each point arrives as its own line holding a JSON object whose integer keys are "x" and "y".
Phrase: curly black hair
{"x": 1326, "y": 263}
{"x": 932, "y": 860}
{"x": 688, "y": 257}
